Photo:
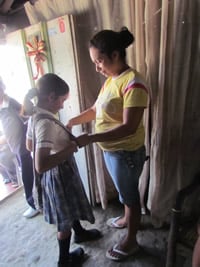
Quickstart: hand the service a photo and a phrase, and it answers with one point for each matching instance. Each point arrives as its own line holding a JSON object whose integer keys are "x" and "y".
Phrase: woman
{"x": 63, "y": 197}
{"x": 118, "y": 113}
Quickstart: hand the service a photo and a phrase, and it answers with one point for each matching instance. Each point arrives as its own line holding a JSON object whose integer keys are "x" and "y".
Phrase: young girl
{"x": 63, "y": 197}
{"x": 119, "y": 130}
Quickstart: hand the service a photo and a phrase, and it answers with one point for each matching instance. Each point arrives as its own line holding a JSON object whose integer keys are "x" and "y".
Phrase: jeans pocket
{"x": 130, "y": 161}
{"x": 135, "y": 158}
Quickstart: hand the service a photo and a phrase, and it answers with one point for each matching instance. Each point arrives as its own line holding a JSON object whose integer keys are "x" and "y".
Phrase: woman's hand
{"x": 71, "y": 148}
{"x": 83, "y": 139}
{"x": 69, "y": 125}
{"x": 85, "y": 117}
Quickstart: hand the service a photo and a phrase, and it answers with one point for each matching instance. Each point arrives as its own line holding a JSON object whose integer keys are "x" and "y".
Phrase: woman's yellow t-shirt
{"x": 126, "y": 90}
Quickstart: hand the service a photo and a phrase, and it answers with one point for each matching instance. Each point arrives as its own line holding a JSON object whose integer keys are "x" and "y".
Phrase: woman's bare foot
{"x": 118, "y": 222}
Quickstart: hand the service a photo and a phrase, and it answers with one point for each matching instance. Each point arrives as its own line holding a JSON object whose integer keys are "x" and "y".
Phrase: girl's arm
{"x": 3, "y": 140}
{"x": 45, "y": 161}
{"x": 29, "y": 145}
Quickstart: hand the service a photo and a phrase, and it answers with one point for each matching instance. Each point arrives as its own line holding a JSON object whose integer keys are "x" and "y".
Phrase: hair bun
{"x": 126, "y": 37}
{"x": 124, "y": 28}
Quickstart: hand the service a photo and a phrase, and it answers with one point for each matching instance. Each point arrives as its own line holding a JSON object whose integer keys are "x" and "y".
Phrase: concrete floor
{"x": 32, "y": 242}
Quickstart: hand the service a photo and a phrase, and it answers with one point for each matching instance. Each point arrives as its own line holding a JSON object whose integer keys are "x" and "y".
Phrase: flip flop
{"x": 119, "y": 255}
{"x": 112, "y": 222}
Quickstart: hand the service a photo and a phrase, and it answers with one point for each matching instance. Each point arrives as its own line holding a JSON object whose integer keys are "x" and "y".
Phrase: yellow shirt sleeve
{"x": 135, "y": 97}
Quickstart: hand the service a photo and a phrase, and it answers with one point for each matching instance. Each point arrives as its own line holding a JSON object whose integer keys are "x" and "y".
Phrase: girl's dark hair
{"x": 52, "y": 83}
{"x": 108, "y": 41}
{"x": 46, "y": 84}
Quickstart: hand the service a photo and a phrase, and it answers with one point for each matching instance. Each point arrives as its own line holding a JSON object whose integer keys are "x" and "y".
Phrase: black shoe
{"x": 76, "y": 258}
{"x": 87, "y": 235}
{"x": 77, "y": 255}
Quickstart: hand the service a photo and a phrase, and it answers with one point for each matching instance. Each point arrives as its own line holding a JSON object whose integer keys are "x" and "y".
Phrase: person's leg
{"x": 67, "y": 258}
{"x": 4, "y": 174}
{"x": 6, "y": 164}
{"x": 10, "y": 166}
{"x": 27, "y": 177}
{"x": 112, "y": 164}
{"x": 196, "y": 251}
{"x": 125, "y": 169}
{"x": 80, "y": 233}
{"x": 83, "y": 235}
{"x": 127, "y": 246}
{"x": 196, "y": 254}
{"x": 125, "y": 219}
{"x": 12, "y": 172}
{"x": 64, "y": 244}
{"x": 133, "y": 214}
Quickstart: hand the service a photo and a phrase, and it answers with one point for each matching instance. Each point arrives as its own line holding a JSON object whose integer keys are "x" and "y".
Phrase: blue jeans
{"x": 125, "y": 168}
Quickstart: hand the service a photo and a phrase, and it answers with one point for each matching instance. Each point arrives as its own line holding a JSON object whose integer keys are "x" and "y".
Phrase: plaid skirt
{"x": 63, "y": 196}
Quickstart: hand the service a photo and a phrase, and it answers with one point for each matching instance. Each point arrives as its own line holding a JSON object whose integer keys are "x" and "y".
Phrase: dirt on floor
{"x": 33, "y": 243}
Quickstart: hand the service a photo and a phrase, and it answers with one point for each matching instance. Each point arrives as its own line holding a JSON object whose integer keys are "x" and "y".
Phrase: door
{"x": 64, "y": 65}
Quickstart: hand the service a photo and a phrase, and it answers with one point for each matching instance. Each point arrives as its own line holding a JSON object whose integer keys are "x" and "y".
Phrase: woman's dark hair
{"x": 108, "y": 41}
{"x": 51, "y": 83}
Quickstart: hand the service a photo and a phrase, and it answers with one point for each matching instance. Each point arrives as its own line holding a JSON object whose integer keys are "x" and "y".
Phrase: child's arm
{"x": 29, "y": 145}
{"x": 45, "y": 161}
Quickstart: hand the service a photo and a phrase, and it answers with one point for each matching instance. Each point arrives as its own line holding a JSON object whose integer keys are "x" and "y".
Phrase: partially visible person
{"x": 14, "y": 129}
{"x": 196, "y": 251}
{"x": 119, "y": 131}
{"x": 64, "y": 201}
{"x": 7, "y": 164}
